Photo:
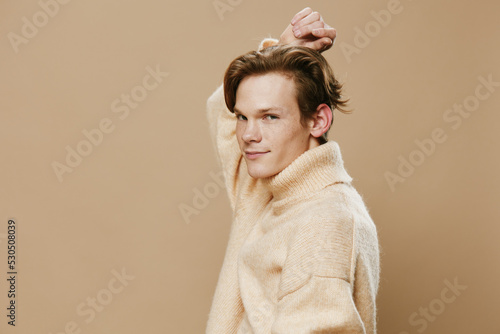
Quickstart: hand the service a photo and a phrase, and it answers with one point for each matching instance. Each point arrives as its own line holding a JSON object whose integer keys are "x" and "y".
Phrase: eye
{"x": 240, "y": 117}
{"x": 271, "y": 117}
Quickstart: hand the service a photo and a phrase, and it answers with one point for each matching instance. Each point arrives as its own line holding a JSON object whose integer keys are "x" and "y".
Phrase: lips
{"x": 255, "y": 154}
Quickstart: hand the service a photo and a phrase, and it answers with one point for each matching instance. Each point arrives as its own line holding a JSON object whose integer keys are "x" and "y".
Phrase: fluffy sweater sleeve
{"x": 323, "y": 305}
{"x": 329, "y": 280}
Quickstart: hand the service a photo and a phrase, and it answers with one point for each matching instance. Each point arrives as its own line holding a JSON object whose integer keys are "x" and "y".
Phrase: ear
{"x": 321, "y": 120}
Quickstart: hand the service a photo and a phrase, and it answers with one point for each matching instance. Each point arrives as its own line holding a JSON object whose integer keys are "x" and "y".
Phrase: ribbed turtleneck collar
{"x": 315, "y": 169}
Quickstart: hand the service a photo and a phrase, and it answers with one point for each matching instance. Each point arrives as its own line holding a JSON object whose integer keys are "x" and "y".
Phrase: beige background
{"x": 119, "y": 209}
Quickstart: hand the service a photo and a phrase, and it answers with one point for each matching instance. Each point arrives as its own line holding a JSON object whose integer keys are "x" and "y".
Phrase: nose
{"x": 251, "y": 132}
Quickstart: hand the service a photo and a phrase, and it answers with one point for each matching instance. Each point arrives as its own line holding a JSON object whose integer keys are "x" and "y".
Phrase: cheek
{"x": 283, "y": 131}
{"x": 294, "y": 133}
{"x": 286, "y": 140}
{"x": 297, "y": 140}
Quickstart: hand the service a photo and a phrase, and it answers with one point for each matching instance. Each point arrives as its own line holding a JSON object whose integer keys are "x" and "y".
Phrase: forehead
{"x": 265, "y": 90}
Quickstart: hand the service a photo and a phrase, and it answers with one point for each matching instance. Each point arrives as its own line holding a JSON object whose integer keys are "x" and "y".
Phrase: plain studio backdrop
{"x": 109, "y": 175}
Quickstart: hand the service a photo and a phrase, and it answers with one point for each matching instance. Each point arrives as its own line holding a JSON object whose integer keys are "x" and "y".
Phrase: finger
{"x": 312, "y": 17}
{"x": 324, "y": 32}
{"x": 308, "y": 29}
{"x": 300, "y": 15}
{"x": 320, "y": 45}
{"x": 326, "y": 43}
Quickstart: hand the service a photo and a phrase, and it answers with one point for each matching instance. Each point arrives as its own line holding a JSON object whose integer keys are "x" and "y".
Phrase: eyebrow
{"x": 262, "y": 110}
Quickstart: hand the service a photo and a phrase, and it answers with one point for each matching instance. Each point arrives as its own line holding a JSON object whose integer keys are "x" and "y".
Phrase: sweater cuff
{"x": 267, "y": 42}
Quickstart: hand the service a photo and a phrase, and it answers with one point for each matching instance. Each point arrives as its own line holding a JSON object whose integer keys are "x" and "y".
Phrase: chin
{"x": 259, "y": 174}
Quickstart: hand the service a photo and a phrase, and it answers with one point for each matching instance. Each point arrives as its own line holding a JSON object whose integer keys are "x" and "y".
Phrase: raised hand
{"x": 307, "y": 28}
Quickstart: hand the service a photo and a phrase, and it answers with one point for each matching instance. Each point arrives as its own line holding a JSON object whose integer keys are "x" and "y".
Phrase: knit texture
{"x": 303, "y": 253}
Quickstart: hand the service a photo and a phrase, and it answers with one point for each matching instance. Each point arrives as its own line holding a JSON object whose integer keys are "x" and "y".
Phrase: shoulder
{"x": 341, "y": 205}
{"x": 338, "y": 205}
{"x": 338, "y": 223}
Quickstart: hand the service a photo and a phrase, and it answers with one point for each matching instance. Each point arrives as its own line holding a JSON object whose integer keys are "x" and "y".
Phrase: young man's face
{"x": 268, "y": 128}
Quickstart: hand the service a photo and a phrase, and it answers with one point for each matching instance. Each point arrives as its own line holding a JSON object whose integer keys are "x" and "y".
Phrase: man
{"x": 303, "y": 253}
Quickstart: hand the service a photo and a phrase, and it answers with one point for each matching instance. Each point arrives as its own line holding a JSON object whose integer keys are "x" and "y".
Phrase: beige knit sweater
{"x": 303, "y": 254}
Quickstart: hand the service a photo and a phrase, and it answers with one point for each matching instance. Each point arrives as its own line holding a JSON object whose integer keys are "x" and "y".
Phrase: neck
{"x": 313, "y": 170}
{"x": 313, "y": 142}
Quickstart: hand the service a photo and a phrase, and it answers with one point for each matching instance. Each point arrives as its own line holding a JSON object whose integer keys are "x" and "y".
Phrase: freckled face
{"x": 268, "y": 128}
